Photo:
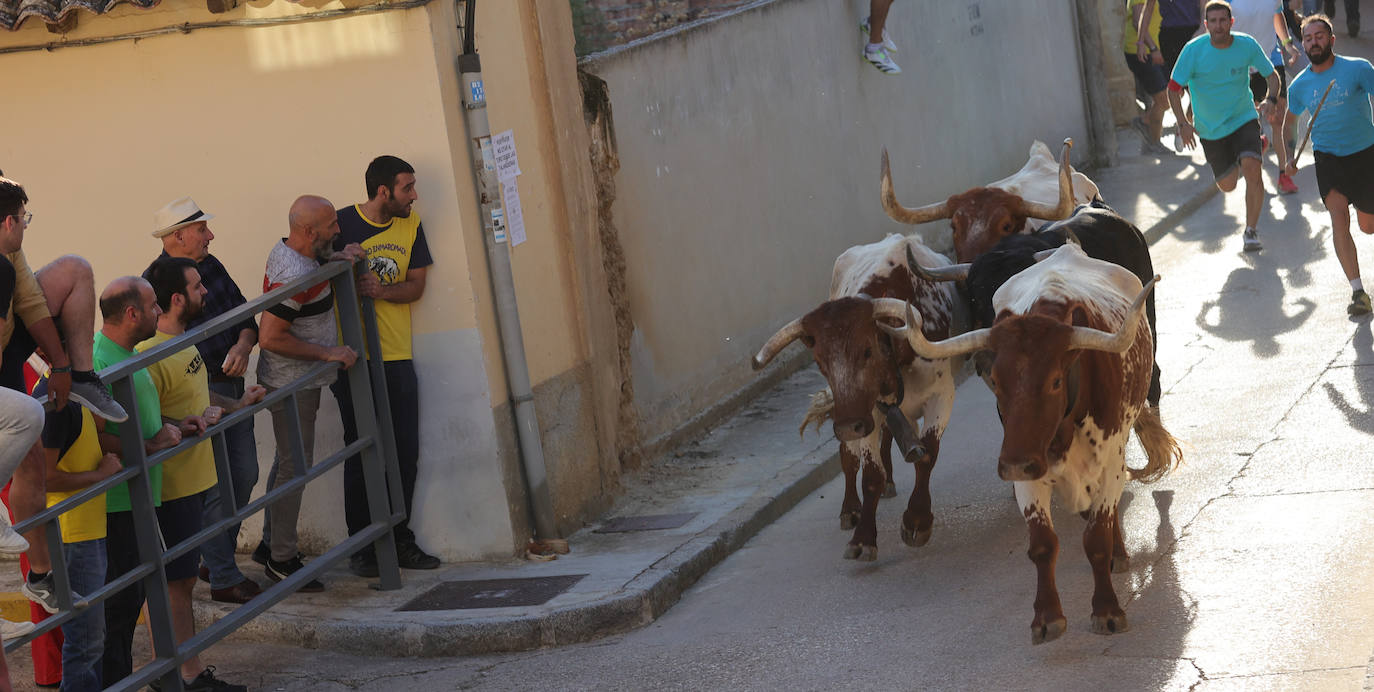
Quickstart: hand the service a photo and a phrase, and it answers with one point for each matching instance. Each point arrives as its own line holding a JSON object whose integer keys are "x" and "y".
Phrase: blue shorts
{"x": 1150, "y": 75}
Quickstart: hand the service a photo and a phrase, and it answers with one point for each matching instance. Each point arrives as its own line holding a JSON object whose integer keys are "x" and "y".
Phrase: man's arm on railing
{"x": 168, "y": 436}
{"x": 63, "y": 481}
{"x": 276, "y": 337}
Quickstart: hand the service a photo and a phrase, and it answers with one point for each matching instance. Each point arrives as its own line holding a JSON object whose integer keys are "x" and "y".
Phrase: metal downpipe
{"x": 503, "y": 283}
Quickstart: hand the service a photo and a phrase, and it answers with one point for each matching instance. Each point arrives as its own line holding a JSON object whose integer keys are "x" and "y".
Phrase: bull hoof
{"x": 1048, "y": 632}
{"x": 851, "y": 552}
{"x": 868, "y": 553}
{"x": 1121, "y": 564}
{"x": 915, "y": 539}
{"x": 1110, "y": 624}
{"x": 890, "y": 490}
{"x": 848, "y": 520}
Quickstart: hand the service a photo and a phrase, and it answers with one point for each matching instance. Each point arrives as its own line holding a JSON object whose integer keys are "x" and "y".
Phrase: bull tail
{"x": 822, "y": 405}
{"x": 1161, "y": 449}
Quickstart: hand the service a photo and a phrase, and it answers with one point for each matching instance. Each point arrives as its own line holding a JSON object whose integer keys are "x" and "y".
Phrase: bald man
{"x": 294, "y": 336}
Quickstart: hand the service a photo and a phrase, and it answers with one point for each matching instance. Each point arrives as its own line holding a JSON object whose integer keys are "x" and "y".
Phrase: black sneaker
{"x": 207, "y": 681}
{"x": 263, "y": 553}
{"x": 277, "y": 571}
{"x": 411, "y": 557}
{"x": 89, "y": 391}
{"x": 363, "y": 564}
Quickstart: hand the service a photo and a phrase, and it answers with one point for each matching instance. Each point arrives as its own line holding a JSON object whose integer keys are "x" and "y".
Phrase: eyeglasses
{"x": 27, "y": 217}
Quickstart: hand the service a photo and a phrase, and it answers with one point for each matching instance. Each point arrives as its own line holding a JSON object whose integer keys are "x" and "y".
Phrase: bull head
{"x": 858, "y": 362}
{"x": 1034, "y": 363}
{"x": 982, "y": 216}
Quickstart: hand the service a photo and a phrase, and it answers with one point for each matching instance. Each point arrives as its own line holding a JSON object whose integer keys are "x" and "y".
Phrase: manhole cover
{"x": 492, "y": 593}
{"x": 646, "y": 522}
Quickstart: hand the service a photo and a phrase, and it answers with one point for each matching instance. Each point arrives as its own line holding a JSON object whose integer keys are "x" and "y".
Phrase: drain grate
{"x": 492, "y": 593}
{"x": 646, "y": 522}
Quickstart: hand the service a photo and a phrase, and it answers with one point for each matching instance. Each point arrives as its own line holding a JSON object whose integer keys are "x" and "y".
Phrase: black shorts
{"x": 1259, "y": 85}
{"x": 180, "y": 519}
{"x": 17, "y": 351}
{"x": 1224, "y": 154}
{"x": 1352, "y": 175}
{"x": 1150, "y": 76}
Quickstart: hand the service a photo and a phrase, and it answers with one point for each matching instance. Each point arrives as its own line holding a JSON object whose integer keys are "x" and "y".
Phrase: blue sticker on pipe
{"x": 478, "y": 93}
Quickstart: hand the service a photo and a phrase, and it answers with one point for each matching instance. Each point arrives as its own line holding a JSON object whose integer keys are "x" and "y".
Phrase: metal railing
{"x": 372, "y": 414}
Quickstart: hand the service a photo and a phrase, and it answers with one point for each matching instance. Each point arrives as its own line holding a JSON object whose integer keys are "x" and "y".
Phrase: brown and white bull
{"x": 1070, "y": 371}
{"x": 1020, "y": 203}
{"x": 867, "y": 370}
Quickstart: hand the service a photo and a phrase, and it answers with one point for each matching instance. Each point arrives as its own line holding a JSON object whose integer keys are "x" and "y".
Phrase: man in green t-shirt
{"x": 129, "y": 311}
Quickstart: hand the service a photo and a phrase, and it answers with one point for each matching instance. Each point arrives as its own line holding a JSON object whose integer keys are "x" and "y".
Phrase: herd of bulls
{"x": 1059, "y": 319}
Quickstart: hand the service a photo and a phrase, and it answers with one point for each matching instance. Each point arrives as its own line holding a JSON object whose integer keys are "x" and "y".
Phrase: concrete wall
{"x": 246, "y": 119}
{"x": 749, "y": 149}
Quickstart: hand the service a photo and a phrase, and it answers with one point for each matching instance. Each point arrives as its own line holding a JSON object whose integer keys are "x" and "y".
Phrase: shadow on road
{"x": 1359, "y": 416}
{"x": 1233, "y": 314}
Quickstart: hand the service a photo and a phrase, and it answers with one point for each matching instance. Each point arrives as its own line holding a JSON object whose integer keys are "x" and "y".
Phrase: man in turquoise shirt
{"x": 129, "y": 309}
{"x": 1215, "y": 69}
{"x": 1342, "y": 142}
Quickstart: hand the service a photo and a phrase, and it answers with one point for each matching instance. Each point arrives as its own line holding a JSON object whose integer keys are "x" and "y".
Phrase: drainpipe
{"x": 502, "y": 282}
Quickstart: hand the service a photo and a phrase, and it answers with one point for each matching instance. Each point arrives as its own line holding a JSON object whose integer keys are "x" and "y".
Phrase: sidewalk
{"x": 726, "y": 486}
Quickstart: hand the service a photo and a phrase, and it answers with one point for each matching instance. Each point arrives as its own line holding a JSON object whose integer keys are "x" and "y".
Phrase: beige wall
{"x": 246, "y": 119}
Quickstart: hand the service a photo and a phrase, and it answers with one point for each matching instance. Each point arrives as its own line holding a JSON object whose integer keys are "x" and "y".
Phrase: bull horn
{"x": 949, "y": 272}
{"x": 1045, "y": 254}
{"x": 968, "y": 342}
{"x": 890, "y": 308}
{"x": 1036, "y": 210}
{"x": 1097, "y": 340}
{"x": 894, "y": 209}
{"x": 790, "y": 332}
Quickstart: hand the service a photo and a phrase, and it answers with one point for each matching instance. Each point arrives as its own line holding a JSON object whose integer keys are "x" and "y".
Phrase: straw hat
{"x": 178, "y": 214}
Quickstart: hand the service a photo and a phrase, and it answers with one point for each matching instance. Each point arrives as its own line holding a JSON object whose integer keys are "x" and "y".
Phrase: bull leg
{"x": 890, "y": 490}
{"x": 849, "y": 508}
{"x": 918, "y": 519}
{"x": 1121, "y": 560}
{"x": 1108, "y": 617}
{"x": 864, "y": 544}
{"x": 1049, "y": 621}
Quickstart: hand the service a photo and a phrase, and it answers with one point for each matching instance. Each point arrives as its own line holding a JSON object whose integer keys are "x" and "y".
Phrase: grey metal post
{"x": 381, "y": 400}
{"x": 146, "y": 534}
{"x": 503, "y": 288}
{"x": 365, "y": 418}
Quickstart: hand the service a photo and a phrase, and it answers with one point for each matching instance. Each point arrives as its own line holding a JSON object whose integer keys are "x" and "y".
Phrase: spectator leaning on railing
{"x": 185, "y": 232}
{"x": 295, "y": 335}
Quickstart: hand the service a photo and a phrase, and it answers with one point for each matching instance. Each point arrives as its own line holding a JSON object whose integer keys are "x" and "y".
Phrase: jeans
{"x": 403, "y": 393}
{"x": 84, "y": 635}
{"x": 242, "y": 446}
{"x": 286, "y": 510}
{"x": 21, "y": 422}
{"x": 121, "y": 609}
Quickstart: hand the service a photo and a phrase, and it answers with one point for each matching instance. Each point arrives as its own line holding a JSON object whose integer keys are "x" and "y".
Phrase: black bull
{"x": 1099, "y": 230}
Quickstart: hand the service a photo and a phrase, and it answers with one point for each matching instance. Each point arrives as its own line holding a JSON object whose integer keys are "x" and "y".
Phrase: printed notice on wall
{"x": 515, "y": 218}
{"x": 507, "y": 164}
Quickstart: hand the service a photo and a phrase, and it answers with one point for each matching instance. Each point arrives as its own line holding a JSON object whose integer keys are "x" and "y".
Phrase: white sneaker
{"x": 887, "y": 40}
{"x": 11, "y": 543}
{"x": 14, "y": 630}
{"x": 1251, "y": 241}
{"x": 880, "y": 59}
{"x": 1178, "y": 142}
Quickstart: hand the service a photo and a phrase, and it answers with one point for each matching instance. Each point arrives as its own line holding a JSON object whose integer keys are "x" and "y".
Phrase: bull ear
{"x": 1078, "y": 317}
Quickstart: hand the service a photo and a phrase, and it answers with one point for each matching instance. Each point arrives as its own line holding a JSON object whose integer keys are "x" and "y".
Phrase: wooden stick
{"x": 1308, "y": 134}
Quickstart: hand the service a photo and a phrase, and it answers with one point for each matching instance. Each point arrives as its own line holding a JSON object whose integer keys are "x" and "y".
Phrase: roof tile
{"x": 14, "y": 12}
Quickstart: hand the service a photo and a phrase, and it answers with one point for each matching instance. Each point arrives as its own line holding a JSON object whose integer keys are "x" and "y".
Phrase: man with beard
{"x": 398, "y": 259}
{"x": 1342, "y": 142}
{"x": 185, "y": 232}
{"x": 1216, "y": 71}
{"x": 184, "y": 394}
{"x": 129, "y": 310}
{"x": 295, "y": 335}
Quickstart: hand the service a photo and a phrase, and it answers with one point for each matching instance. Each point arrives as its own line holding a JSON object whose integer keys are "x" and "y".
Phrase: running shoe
{"x": 880, "y": 59}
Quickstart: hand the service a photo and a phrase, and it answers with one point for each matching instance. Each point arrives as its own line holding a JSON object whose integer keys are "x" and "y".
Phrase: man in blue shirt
{"x": 1342, "y": 141}
{"x": 1215, "y": 69}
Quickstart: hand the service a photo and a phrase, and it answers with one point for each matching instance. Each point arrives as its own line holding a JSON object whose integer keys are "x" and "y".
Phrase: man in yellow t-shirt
{"x": 398, "y": 260}
{"x": 1147, "y": 64}
{"x": 183, "y": 390}
{"x": 75, "y": 462}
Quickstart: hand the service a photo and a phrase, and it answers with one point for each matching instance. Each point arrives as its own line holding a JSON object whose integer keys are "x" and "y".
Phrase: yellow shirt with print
{"x": 183, "y": 387}
{"x": 87, "y": 521}
{"x": 388, "y": 256}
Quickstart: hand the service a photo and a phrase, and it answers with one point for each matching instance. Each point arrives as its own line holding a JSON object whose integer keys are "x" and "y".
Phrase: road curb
{"x": 643, "y": 600}
{"x": 1162, "y": 227}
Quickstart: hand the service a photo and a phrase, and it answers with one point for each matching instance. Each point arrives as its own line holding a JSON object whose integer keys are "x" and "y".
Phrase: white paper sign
{"x": 515, "y": 218}
{"x": 507, "y": 164}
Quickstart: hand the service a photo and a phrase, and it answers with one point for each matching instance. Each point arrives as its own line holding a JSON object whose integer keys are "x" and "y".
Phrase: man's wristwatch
{"x": 58, "y": 370}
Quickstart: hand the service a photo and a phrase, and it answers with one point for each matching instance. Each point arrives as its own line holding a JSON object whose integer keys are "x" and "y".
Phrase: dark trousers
{"x": 1352, "y": 9}
{"x": 121, "y": 609}
{"x": 403, "y": 393}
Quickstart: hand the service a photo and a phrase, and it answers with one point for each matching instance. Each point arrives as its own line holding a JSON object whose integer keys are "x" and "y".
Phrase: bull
{"x": 1070, "y": 371}
{"x": 869, "y": 373}
{"x": 982, "y": 216}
